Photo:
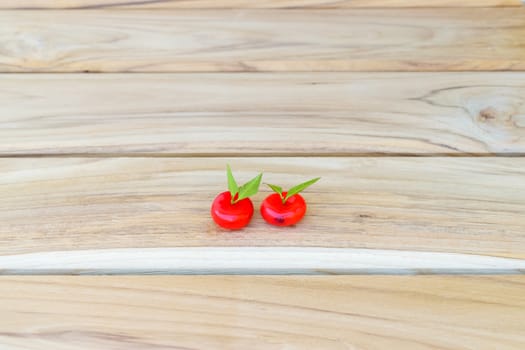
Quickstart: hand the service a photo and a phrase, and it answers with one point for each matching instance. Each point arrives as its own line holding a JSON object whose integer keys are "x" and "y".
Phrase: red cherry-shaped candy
{"x": 231, "y": 216}
{"x": 276, "y": 213}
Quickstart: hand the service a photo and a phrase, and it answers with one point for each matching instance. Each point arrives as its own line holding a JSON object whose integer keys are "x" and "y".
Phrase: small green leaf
{"x": 277, "y": 189}
{"x": 250, "y": 188}
{"x": 232, "y": 184}
{"x": 296, "y": 189}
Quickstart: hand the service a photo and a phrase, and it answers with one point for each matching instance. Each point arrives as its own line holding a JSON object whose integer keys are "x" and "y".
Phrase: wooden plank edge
{"x": 322, "y": 66}
{"x": 265, "y": 155}
{"x": 254, "y": 260}
{"x": 284, "y": 5}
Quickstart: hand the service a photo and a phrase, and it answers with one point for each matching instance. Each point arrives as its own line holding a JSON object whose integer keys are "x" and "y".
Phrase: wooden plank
{"x": 263, "y": 40}
{"x": 456, "y": 206}
{"x": 263, "y": 114}
{"x": 232, "y": 4}
{"x": 352, "y": 312}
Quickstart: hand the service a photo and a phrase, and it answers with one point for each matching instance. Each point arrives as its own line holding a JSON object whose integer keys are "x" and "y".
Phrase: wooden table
{"x": 412, "y": 112}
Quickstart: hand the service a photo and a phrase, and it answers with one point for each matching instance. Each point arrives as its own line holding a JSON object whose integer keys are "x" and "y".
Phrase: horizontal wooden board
{"x": 263, "y": 114}
{"x": 218, "y": 4}
{"x": 473, "y": 206}
{"x": 263, "y": 40}
{"x": 351, "y": 312}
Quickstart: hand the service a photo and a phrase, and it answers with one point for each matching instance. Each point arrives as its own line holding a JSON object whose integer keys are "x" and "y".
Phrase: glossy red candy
{"x": 276, "y": 213}
{"x": 231, "y": 216}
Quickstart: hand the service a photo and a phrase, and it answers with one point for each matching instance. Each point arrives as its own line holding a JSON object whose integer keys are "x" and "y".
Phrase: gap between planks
{"x": 261, "y": 155}
{"x": 88, "y": 72}
{"x": 248, "y": 4}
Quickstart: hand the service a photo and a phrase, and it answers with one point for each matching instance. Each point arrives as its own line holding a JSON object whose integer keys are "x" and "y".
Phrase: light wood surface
{"x": 454, "y": 205}
{"x": 352, "y": 312}
{"x": 115, "y": 173}
{"x": 473, "y": 39}
{"x": 263, "y": 114}
{"x": 283, "y": 4}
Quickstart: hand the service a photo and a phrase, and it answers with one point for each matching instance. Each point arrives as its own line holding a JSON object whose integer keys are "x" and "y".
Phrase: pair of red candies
{"x": 233, "y": 209}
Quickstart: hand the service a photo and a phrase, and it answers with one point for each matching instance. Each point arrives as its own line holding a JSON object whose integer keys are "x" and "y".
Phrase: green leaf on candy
{"x": 250, "y": 188}
{"x": 232, "y": 184}
{"x": 277, "y": 189}
{"x": 301, "y": 187}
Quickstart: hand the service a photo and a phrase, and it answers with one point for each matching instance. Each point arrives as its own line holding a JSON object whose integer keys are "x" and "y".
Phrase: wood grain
{"x": 228, "y": 4}
{"x": 352, "y": 312}
{"x": 474, "y": 39}
{"x": 263, "y": 114}
{"x": 452, "y": 205}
